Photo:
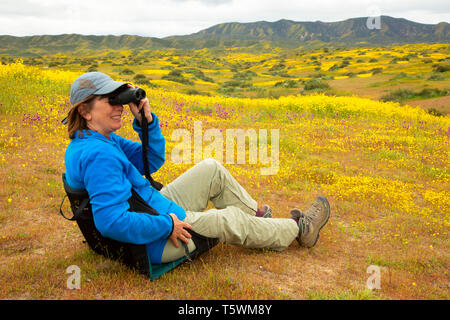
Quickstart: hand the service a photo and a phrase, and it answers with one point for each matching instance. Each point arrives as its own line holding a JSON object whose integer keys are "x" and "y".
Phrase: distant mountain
{"x": 50, "y": 44}
{"x": 284, "y": 33}
{"x": 354, "y": 30}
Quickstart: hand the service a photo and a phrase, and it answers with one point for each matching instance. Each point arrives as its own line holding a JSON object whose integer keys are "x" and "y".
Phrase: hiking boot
{"x": 311, "y": 221}
{"x": 265, "y": 212}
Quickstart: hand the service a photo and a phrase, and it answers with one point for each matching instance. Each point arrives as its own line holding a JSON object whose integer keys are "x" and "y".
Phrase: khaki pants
{"x": 233, "y": 221}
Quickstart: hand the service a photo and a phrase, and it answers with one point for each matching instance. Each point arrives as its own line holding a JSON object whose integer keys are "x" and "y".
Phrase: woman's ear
{"x": 83, "y": 111}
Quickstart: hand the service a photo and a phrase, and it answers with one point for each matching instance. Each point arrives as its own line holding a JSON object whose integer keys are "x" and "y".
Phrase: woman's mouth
{"x": 117, "y": 117}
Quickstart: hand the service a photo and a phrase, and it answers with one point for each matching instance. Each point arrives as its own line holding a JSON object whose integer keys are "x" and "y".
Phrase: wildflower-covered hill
{"x": 382, "y": 166}
{"x": 417, "y": 74}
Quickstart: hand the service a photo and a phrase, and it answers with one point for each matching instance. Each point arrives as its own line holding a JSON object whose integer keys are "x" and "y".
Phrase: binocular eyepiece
{"x": 127, "y": 95}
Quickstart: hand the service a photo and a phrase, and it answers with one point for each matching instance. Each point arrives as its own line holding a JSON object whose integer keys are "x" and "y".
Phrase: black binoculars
{"x": 127, "y": 95}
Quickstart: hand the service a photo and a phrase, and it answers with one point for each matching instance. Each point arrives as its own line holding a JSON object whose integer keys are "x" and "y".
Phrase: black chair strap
{"x": 76, "y": 211}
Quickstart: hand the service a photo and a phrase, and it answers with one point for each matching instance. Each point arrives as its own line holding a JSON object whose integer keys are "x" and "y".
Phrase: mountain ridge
{"x": 350, "y": 30}
{"x": 283, "y": 33}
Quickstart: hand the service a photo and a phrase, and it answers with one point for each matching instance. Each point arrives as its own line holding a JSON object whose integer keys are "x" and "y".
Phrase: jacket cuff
{"x": 173, "y": 225}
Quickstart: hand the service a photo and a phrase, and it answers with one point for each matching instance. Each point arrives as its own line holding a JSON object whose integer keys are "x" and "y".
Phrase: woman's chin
{"x": 118, "y": 126}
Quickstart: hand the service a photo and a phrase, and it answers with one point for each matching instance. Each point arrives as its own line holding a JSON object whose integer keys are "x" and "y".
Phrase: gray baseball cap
{"x": 92, "y": 83}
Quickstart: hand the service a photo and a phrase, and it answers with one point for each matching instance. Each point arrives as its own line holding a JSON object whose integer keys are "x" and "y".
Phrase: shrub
{"x": 376, "y": 70}
{"x": 142, "y": 79}
{"x": 316, "y": 84}
{"x": 175, "y": 73}
{"x": 196, "y": 72}
{"x": 350, "y": 74}
{"x": 441, "y": 68}
{"x": 432, "y": 92}
{"x": 333, "y": 67}
{"x": 246, "y": 75}
{"x": 92, "y": 69}
{"x": 139, "y": 76}
{"x": 126, "y": 72}
{"x": 405, "y": 94}
{"x": 287, "y": 84}
{"x": 176, "y": 76}
{"x": 150, "y": 84}
{"x": 436, "y": 77}
{"x": 435, "y": 112}
{"x": 398, "y": 95}
{"x": 178, "y": 79}
{"x": 316, "y": 75}
{"x": 344, "y": 64}
{"x": 236, "y": 84}
{"x": 277, "y": 67}
{"x": 192, "y": 92}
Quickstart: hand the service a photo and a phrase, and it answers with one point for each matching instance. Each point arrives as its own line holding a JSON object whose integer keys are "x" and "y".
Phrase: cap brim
{"x": 110, "y": 87}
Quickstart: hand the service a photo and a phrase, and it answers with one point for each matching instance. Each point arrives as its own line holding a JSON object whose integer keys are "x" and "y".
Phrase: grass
{"x": 345, "y": 295}
{"x": 383, "y": 168}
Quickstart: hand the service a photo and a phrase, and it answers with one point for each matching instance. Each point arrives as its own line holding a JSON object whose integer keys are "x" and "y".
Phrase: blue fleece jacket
{"x": 107, "y": 169}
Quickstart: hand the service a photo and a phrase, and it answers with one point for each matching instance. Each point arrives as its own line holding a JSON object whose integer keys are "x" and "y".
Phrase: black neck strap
{"x": 144, "y": 125}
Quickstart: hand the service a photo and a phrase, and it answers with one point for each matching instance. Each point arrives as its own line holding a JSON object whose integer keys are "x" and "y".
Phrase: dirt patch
{"x": 441, "y": 104}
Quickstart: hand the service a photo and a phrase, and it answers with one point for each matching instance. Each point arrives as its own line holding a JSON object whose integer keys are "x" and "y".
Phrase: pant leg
{"x": 233, "y": 226}
{"x": 209, "y": 180}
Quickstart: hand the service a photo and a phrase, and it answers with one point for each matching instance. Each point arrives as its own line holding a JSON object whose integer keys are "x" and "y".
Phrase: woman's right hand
{"x": 135, "y": 109}
{"x": 179, "y": 230}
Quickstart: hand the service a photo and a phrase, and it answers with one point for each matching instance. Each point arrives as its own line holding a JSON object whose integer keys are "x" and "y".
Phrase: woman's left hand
{"x": 135, "y": 109}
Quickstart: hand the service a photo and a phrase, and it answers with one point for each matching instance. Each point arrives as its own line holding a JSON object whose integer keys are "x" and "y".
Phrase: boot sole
{"x": 327, "y": 206}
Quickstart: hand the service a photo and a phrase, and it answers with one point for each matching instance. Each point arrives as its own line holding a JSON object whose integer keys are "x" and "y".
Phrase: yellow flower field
{"x": 384, "y": 168}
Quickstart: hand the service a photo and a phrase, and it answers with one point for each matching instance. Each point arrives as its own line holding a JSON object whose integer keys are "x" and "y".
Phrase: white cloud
{"x": 177, "y": 17}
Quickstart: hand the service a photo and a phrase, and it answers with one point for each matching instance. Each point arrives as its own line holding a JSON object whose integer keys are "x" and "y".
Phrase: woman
{"x": 109, "y": 166}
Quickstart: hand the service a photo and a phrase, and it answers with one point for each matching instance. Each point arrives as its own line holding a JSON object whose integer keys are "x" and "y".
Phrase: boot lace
{"x": 308, "y": 217}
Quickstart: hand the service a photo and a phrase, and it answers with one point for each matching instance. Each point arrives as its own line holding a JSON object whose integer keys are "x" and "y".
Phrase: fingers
{"x": 183, "y": 236}
{"x": 174, "y": 241}
{"x": 179, "y": 231}
{"x": 133, "y": 107}
{"x": 146, "y": 105}
{"x": 182, "y": 233}
{"x": 186, "y": 235}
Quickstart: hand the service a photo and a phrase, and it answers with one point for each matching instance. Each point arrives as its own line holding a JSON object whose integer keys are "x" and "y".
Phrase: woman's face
{"x": 103, "y": 117}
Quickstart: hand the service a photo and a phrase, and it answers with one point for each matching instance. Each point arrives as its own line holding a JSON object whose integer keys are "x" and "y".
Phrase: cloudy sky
{"x": 161, "y": 18}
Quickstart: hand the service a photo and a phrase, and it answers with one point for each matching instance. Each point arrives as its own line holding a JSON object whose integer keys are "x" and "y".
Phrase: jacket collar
{"x": 91, "y": 134}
